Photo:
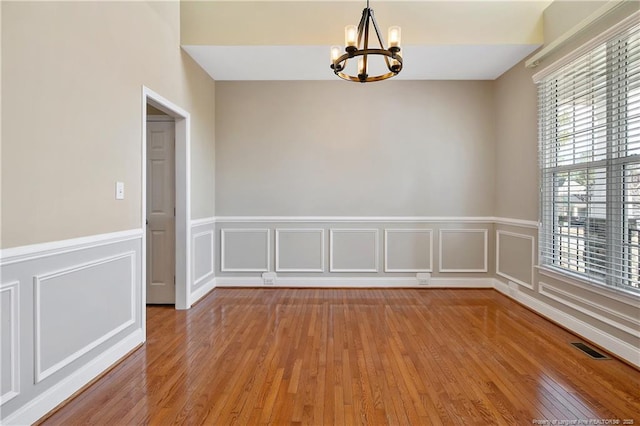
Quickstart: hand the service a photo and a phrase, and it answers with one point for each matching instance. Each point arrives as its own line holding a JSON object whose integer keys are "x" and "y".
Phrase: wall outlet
{"x": 423, "y": 278}
{"x": 269, "y": 278}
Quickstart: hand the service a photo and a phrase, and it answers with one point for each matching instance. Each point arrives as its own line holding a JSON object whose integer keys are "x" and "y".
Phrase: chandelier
{"x": 357, "y": 45}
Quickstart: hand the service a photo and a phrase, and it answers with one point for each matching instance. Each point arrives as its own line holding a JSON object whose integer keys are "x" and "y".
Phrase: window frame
{"x": 618, "y": 244}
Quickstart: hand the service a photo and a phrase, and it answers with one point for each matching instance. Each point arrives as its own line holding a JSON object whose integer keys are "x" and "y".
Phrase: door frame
{"x": 182, "y": 196}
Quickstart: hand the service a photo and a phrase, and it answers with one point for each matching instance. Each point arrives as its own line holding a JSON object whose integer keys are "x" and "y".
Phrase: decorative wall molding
{"x": 387, "y": 232}
{"x": 39, "y": 280}
{"x": 204, "y": 283}
{"x": 377, "y": 219}
{"x": 355, "y": 219}
{"x": 516, "y": 222}
{"x": 203, "y": 221}
{"x": 529, "y": 284}
{"x": 281, "y": 231}
{"x": 337, "y": 231}
{"x": 223, "y": 257}
{"x": 13, "y": 288}
{"x": 567, "y": 298}
{"x": 198, "y": 280}
{"x": 614, "y": 293}
{"x": 485, "y": 233}
{"x": 37, "y": 251}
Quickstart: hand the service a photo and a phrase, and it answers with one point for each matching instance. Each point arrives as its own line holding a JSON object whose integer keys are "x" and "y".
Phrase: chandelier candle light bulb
{"x": 357, "y": 44}
{"x": 335, "y": 53}
{"x": 394, "y": 36}
{"x": 351, "y": 36}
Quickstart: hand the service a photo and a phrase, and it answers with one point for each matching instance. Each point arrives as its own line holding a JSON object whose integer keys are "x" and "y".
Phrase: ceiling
{"x": 290, "y": 40}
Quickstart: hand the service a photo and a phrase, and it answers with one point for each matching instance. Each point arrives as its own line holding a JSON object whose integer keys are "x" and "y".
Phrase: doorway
{"x": 180, "y": 120}
{"x": 161, "y": 208}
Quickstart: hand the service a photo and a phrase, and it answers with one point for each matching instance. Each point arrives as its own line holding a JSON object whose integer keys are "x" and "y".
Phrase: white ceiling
{"x": 457, "y": 62}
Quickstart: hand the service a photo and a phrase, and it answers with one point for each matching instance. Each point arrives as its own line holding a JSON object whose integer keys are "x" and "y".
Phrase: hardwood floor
{"x": 324, "y": 357}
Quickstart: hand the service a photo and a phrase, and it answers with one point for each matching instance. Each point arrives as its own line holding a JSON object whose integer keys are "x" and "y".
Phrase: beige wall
{"x": 516, "y": 185}
{"x": 562, "y": 15}
{"x": 516, "y": 172}
{"x": 397, "y": 148}
{"x": 72, "y": 74}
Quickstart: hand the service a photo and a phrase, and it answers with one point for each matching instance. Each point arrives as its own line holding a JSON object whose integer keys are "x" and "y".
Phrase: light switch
{"x": 119, "y": 190}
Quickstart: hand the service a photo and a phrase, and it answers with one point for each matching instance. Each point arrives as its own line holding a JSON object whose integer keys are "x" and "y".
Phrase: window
{"x": 589, "y": 133}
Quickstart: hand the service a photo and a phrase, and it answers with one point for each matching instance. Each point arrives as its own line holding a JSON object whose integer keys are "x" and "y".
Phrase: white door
{"x": 161, "y": 212}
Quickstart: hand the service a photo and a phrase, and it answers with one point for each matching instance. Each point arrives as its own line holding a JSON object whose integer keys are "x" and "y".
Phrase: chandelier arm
{"x": 375, "y": 27}
{"x": 363, "y": 20}
{"x": 363, "y": 75}
{"x": 365, "y": 45}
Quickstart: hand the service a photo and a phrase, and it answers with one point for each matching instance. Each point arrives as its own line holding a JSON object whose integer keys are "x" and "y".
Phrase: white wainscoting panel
{"x": 244, "y": 250}
{"x": 408, "y": 250}
{"x": 202, "y": 258}
{"x": 515, "y": 257}
{"x": 78, "y": 308}
{"x": 202, "y": 250}
{"x": 299, "y": 250}
{"x": 463, "y": 250}
{"x": 69, "y": 309}
{"x": 353, "y": 250}
{"x": 10, "y": 341}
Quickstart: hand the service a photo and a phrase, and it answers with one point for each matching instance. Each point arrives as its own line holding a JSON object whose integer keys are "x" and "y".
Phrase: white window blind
{"x": 589, "y": 133}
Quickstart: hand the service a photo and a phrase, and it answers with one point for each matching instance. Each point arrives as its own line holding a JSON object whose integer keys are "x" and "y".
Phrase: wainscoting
{"x": 355, "y": 252}
{"x": 70, "y": 309}
{"x": 515, "y": 257}
{"x": 202, "y": 258}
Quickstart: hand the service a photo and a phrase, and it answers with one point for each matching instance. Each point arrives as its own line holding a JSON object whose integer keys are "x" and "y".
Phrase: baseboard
{"x": 459, "y": 283}
{"x": 355, "y": 282}
{"x": 201, "y": 291}
{"x": 52, "y": 397}
{"x": 610, "y": 343}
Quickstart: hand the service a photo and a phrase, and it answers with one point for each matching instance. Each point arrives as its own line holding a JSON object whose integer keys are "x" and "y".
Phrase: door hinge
{"x": 174, "y": 212}
{"x": 174, "y": 280}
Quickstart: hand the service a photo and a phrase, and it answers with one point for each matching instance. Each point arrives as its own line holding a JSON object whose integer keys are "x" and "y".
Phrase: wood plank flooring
{"x": 356, "y": 356}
